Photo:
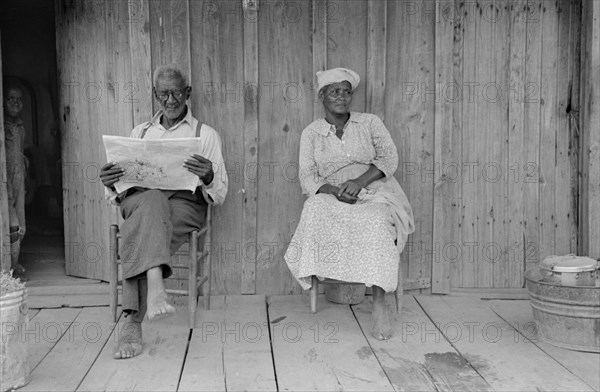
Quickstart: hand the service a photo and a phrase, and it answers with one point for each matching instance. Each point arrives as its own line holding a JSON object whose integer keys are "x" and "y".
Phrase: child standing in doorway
{"x": 16, "y": 163}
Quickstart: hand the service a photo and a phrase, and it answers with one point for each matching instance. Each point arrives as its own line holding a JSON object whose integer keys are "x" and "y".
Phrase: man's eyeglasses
{"x": 339, "y": 92}
{"x": 177, "y": 94}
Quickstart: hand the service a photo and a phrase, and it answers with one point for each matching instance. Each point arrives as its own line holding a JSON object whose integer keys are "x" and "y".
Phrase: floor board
{"x": 584, "y": 365}
{"x": 76, "y": 351}
{"x": 495, "y": 349}
{"x": 45, "y": 330}
{"x": 325, "y": 351}
{"x": 158, "y": 367}
{"x": 440, "y": 343}
{"x": 230, "y": 348}
{"x": 417, "y": 358}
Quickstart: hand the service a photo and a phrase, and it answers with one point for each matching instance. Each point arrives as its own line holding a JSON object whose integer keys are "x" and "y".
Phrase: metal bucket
{"x": 571, "y": 270}
{"x": 14, "y": 369}
{"x": 566, "y": 316}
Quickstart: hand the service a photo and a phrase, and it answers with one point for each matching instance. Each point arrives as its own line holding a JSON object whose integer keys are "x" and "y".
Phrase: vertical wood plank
{"x": 141, "y": 67}
{"x": 548, "y": 127}
{"x": 445, "y": 204}
{"x": 250, "y": 189}
{"x": 516, "y": 153}
{"x": 180, "y": 36}
{"x": 95, "y": 248}
{"x": 532, "y": 91}
{"x": 590, "y": 129}
{"x": 347, "y": 43}
{"x": 485, "y": 118}
{"x": 376, "y": 55}
{"x": 574, "y": 115}
{"x": 319, "y": 49}
{"x": 5, "y": 260}
{"x": 75, "y": 229}
{"x": 409, "y": 114}
{"x": 494, "y": 252}
{"x": 285, "y": 109}
{"x": 471, "y": 140}
{"x": 161, "y": 27}
{"x": 120, "y": 89}
{"x": 453, "y": 251}
{"x": 217, "y": 99}
{"x": 564, "y": 215}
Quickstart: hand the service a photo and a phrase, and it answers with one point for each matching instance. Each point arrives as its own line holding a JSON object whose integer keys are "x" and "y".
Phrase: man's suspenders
{"x": 149, "y": 124}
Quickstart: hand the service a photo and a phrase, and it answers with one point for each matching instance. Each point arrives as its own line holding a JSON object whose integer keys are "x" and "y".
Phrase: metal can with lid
{"x": 571, "y": 270}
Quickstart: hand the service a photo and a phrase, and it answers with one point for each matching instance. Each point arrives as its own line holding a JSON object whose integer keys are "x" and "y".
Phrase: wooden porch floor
{"x": 274, "y": 344}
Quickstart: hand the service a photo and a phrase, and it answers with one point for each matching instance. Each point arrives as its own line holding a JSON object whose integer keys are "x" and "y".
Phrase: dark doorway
{"x": 29, "y": 59}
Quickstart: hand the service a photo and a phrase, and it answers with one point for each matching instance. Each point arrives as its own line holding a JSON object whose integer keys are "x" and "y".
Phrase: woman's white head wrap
{"x": 336, "y": 75}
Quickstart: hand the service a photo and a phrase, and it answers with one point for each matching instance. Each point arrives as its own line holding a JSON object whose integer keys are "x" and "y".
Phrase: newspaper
{"x": 153, "y": 163}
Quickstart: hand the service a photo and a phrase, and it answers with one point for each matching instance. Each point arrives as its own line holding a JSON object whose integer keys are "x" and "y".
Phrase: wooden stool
{"x": 314, "y": 290}
{"x": 195, "y": 280}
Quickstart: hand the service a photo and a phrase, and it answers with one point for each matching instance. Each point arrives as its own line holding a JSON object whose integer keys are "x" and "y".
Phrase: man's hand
{"x": 201, "y": 167}
{"x": 351, "y": 187}
{"x": 109, "y": 174}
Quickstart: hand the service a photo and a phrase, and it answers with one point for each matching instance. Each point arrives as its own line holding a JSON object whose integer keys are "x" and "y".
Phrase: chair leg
{"x": 193, "y": 277}
{"x": 113, "y": 270}
{"x": 399, "y": 291}
{"x": 314, "y": 292}
{"x": 207, "y": 265}
{"x": 207, "y": 270}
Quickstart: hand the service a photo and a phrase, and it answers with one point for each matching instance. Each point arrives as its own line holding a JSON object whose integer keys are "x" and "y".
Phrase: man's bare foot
{"x": 130, "y": 341}
{"x": 158, "y": 307}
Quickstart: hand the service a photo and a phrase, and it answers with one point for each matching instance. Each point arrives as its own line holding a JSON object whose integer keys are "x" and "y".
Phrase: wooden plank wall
{"x": 475, "y": 95}
{"x": 590, "y": 130}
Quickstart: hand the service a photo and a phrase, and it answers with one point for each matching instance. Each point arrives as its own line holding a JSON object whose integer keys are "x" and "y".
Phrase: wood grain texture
{"x": 251, "y": 168}
{"x": 141, "y": 66}
{"x": 48, "y": 327}
{"x": 165, "y": 339}
{"x": 519, "y": 315}
{"x": 489, "y": 344}
{"x": 322, "y": 351}
{"x": 409, "y": 114}
{"x": 217, "y": 99}
{"x": 514, "y": 214}
{"x": 285, "y": 102}
{"x": 446, "y": 202}
{"x": 229, "y": 349}
{"x": 417, "y": 358}
{"x": 347, "y": 43}
{"x": 532, "y": 96}
{"x": 376, "y": 56}
{"x": 76, "y": 350}
{"x": 590, "y": 118}
{"x": 495, "y": 251}
{"x": 548, "y": 128}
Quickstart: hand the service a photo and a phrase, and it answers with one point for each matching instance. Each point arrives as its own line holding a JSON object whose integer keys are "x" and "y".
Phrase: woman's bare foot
{"x": 130, "y": 341}
{"x": 158, "y": 307}
{"x": 382, "y": 328}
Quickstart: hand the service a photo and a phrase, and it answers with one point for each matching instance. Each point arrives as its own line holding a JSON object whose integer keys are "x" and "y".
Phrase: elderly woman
{"x": 357, "y": 218}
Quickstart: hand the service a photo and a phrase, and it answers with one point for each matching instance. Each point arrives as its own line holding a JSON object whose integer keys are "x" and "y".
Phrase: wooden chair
{"x": 314, "y": 290}
{"x": 195, "y": 279}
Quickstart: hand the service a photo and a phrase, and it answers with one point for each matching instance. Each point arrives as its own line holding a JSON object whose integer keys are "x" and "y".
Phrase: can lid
{"x": 569, "y": 263}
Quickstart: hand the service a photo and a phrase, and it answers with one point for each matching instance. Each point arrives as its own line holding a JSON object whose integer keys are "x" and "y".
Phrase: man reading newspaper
{"x": 158, "y": 221}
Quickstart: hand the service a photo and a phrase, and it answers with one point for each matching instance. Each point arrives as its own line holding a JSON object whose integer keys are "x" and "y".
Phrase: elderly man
{"x": 14, "y": 136}
{"x": 157, "y": 222}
